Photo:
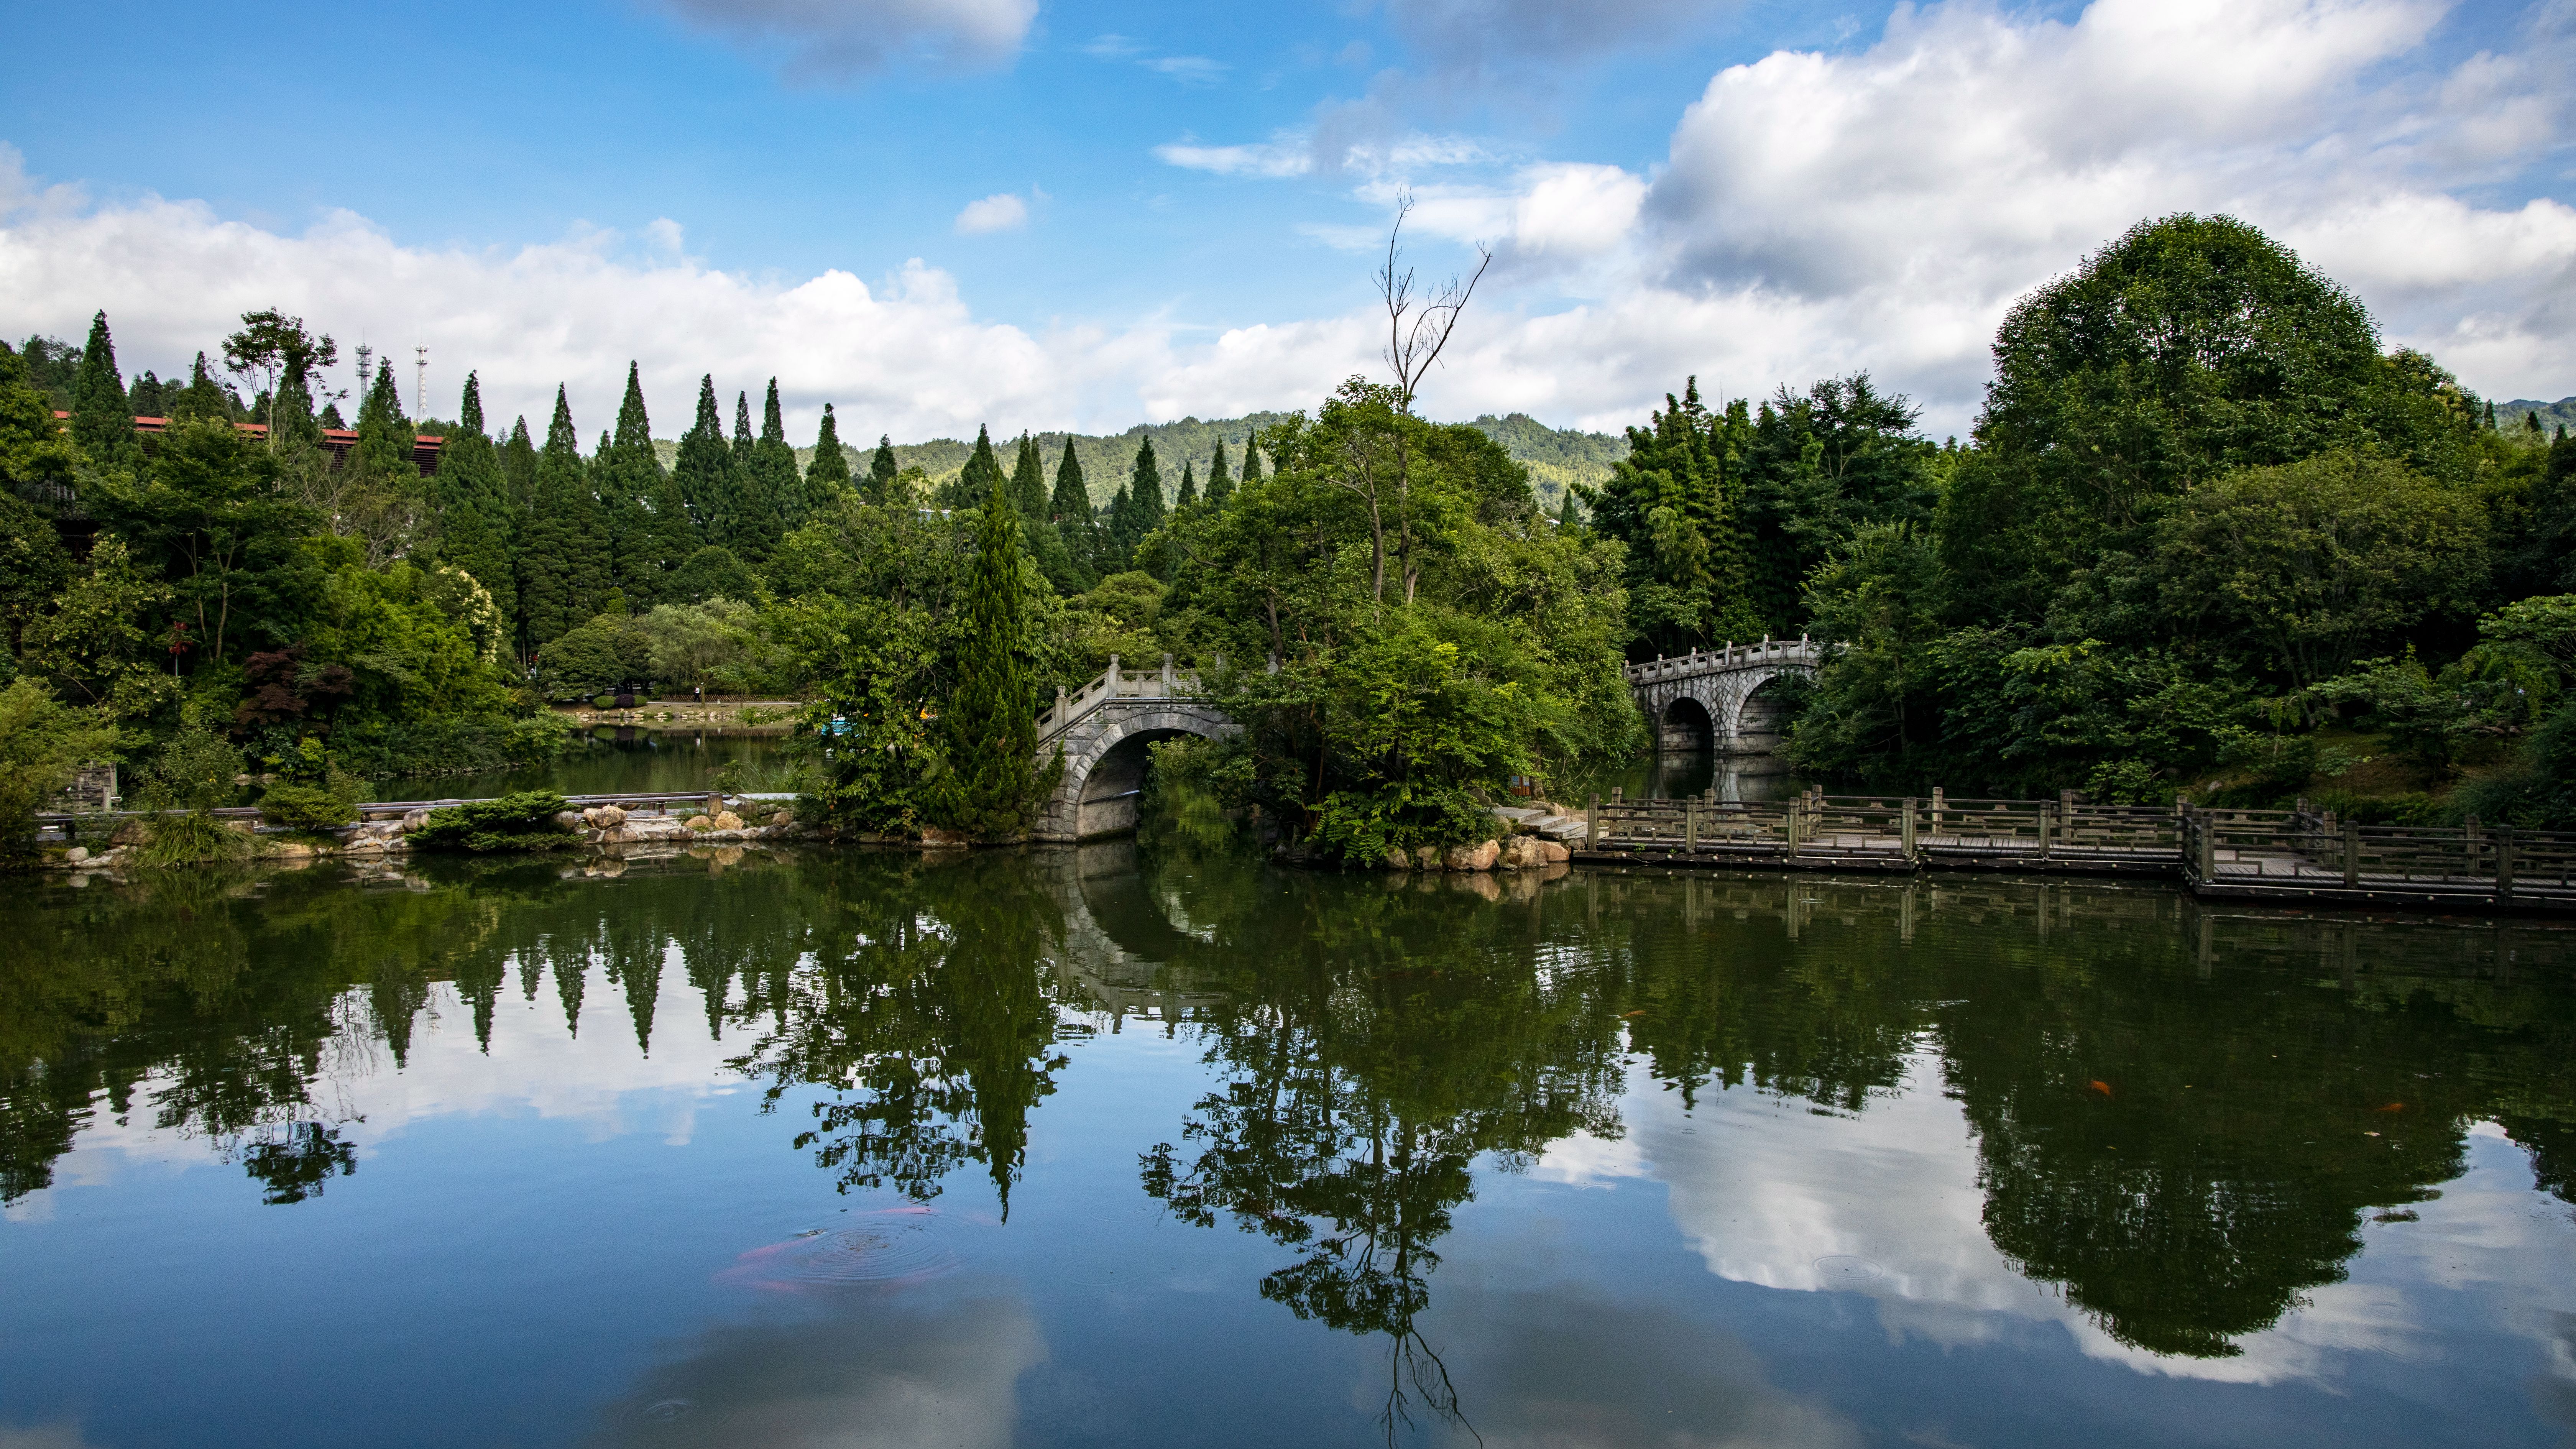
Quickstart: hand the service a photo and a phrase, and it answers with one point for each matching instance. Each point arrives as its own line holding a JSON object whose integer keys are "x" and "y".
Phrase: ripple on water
{"x": 1843, "y": 1270}
{"x": 672, "y": 1421}
{"x": 898, "y": 1245}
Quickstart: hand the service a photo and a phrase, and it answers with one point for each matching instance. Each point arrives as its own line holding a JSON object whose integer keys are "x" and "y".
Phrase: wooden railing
{"x": 2224, "y": 852}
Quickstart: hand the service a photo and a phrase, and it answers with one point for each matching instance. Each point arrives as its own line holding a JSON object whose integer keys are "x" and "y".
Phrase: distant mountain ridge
{"x": 1554, "y": 456}
{"x": 2553, "y": 416}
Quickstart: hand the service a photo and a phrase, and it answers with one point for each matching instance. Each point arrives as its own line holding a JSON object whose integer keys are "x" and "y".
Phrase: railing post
{"x": 2045, "y": 811}
{"x": 2352, "y": 853}
{"x": 1936, "y": 809}
{"x": 1592, "y": 824}
{"x": 1112, "y": 676}
{"x": 1905, "y": 831}
{"x": 2208, "y": 826}
{"x": 2504, "y": 865}
{"x": 1168, "y": 681}
{"x": 1690, "y": 826}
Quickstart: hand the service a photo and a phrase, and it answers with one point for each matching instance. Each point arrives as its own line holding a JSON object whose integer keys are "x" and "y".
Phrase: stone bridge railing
{"x": 1113, "y": 684}
{"x": 1770, "y": 653}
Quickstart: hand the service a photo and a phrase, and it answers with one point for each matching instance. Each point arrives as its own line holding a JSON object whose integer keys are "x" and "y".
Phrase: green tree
{"x": 1069, "y": 509}
{"x": 705, "y": 468}
{"x": 1144, "y": 495}
{"x": 1218, "y": 484}
{"x": 38, "y": 460}
{"x": 882, "y": 471}
{"x": 474, "y": 510}
{"x": 41, "y": 743}
{"x": 647, "y": 521}
{"x": 97, "y": 646}
{"x": 208, "y": 518}
{"x": 992, "y": 785}
{"x": 769, "y": 487}
{"x": 2188, "y": 349}
{"x": 978, "y": 480}
{"x": 102, "y": 419}
{"x": 204, "y": 397}
{"x": 565, "y": 559}
{"x": 827, "y": 477}
{"x": 1188, "y": 497}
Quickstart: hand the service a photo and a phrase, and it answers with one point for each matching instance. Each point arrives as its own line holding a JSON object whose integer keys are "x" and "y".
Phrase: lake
{"x": 1126, "y": 1145}
{"x": 603, "y": 761}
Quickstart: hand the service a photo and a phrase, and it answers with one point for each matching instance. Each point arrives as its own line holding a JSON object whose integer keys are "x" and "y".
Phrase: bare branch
{"x": 1418, "y": 330}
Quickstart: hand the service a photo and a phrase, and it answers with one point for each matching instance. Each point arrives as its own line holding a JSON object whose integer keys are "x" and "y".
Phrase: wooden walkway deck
{"x": 2276, "y": 855}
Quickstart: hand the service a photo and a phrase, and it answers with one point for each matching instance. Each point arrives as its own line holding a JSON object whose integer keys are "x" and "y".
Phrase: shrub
{"x": 41, "y": 741}
{"x": 524, "y": 821}
{"x": 305, "y": 807}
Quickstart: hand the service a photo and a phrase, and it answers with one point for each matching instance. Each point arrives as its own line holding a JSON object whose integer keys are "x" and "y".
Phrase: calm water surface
{"x": 604, "y": 762}
{"x": 1106, "y": 1147}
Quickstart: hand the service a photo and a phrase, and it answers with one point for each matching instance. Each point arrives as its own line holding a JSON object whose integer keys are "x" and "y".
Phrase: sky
{"x": 940, "y": 214}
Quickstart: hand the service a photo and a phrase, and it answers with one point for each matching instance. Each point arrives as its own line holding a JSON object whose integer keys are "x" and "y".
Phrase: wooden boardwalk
{"x": 2277, "y": 855}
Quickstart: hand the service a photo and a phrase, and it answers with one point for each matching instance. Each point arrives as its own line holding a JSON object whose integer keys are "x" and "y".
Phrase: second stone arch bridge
{"x": 1718, "y": 700}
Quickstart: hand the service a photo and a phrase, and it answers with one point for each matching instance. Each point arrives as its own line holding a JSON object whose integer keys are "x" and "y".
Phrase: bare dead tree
{"x": 1418, "y": 327}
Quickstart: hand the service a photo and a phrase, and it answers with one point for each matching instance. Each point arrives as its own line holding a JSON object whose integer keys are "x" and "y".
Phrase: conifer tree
{"x": 1145, "y": 493}
{"x": 988, "y": 726}
{"x": 385, "y": 436}
{"x": 102, "y": 416}
{"x": 562, "y": 572}
{"x": 1118, "y": 532}
{"x": 1189, "y": 494}
{"x": 204, "y": 397}
{"x": 519, "y": 469}
{"x": 982, "y": 474}
{"x": 828, "y": 476}
{"x": 767, "y": 490}
{"x": 648, "y": 525}
{"x": 473, "y": 501}
{"x": 1028, "y": 481}
{"x": 704, "y": 468}
{"x": 145, "y": 398}
{"x": 882, "y": 471}
{"x": 1075, "y": 523}
{"x": 1251, "y": 463}
{"x": 1218, "y": 484}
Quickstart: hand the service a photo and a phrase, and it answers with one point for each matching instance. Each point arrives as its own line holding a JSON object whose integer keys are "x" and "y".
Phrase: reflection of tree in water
{"x": 2186, "y": 1156}
{"x": 926, "y": 1015}
{"x": 1381, "y": 1043}
{"x": 297, "y": 1160}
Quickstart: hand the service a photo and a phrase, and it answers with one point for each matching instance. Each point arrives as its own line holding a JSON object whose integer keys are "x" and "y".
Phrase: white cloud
{"x": 839, "y": 39}
{"x": 1000, "y": 212}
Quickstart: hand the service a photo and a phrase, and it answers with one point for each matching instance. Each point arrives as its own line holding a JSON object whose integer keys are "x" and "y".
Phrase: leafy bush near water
{"x": 524, "y": 821}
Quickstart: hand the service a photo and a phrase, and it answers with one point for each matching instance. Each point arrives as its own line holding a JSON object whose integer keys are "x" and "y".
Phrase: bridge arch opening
{"x": 1762, "y": 722}
{"x": 1685, "y": 728}
{"x": 1106, "y": 802}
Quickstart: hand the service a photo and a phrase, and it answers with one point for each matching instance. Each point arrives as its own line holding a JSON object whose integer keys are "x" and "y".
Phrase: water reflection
{"x": 2177, "y": 1124}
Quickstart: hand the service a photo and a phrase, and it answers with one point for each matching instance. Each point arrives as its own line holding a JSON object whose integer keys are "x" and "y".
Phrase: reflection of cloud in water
{"x": 599, "y": 1080}
{"x": 43, "y": 1436}
{"x": 1771, "y": 1193}
{"x": 872, "y": 1368}
{"x": 1566, "y": 1370}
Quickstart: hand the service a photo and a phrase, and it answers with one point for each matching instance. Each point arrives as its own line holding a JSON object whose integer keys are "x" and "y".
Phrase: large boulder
{"x": 414, "y": 821}
{"x": 1480, "y": 856}
{"x": 1427, "y": 856}
{"x": 727, "y": 820}
{"x": 1551, "y": 853}
{"x": 1396, "y": 859}
{"x": 700, "y": 822}
{"x": 610, "y": 816}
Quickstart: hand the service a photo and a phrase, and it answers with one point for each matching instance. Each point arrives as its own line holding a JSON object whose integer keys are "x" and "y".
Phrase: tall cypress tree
{"x": 519, "y": 469}
{"x": 1028, "y": 481}
{"x": 648, "y": 523}
{"x": 563, "y": 562}
{"x": 769, "y": 486}
{"x": 1075, "y": 524}
{"x": 988, "y": 725}
{"x": 204, "y": 397}
{"x": 473, "y": 501}
{"x": 982, "y": 474}
{"x": 882, "y": 471}
{"x": 827, "y": 477}
{"x": 1028, "y": 492}
{"x": 1118, "y": 532}
{"x": 102, "y": 417}
{"x": 145, "y": 398}
{"x": 1218, "y": 485}
{"x": 705, "y": 467}
{"x": 1145, "y": 493}
{"x": 1189, "y": 494}
{"x": 1251, "y": 463}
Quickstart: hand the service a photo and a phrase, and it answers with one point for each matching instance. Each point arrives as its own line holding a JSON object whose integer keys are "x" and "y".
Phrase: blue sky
{"x": 943, "y": 212}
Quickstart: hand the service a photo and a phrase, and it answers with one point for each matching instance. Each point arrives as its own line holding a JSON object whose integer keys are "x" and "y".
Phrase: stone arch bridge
{"x": 1104, "y": 728}
{"x": 1720, "y": 699}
